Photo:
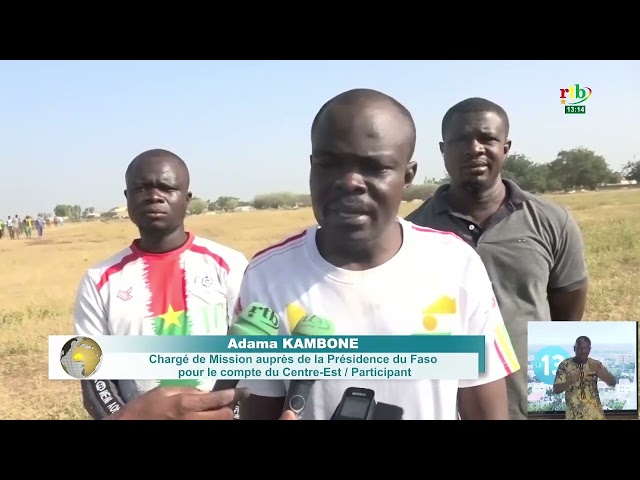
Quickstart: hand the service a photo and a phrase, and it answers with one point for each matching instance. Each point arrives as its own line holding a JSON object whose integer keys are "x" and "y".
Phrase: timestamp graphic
{"x": 575, "y": 109}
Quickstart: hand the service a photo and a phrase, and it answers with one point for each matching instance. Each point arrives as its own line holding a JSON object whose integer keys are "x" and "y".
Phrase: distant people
{"x": 17, "y": 228}
{"x": 40, "y": 225}
{"x": 578, "y": 378}
{"x": 533, "y": 249}
{"x": 371, "y": 273}
{"x": 1, "y": 228}
{"x": 28, "y": 226}
{"x": 10, "y": 227}
{"x": 167, "y": 282}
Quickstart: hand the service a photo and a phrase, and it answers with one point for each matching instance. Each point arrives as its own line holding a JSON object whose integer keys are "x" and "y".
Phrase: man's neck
{"x": 162, "y": 242}
{"x": 359, "y": 256}
{"x": 577, "y": 360}
{"x": 481, "y": 201}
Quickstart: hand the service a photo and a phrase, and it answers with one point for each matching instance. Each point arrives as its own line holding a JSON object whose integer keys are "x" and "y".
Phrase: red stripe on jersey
{"x": 281, "y": 244}
{"x": 503, "y": 360}
{"x": 433, "y": 230}
{"x": 113, "y": 269}
{"x": 205, "y": 251}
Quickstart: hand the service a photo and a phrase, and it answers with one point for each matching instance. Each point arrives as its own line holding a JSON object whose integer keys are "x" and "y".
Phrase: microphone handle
{"x": 298, "y": 395}
{"x": 225, "y": 385}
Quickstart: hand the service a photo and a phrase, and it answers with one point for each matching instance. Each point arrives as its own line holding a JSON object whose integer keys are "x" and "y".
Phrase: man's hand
{"x": 181, "y": 403}
{"x": 288, "y": 415}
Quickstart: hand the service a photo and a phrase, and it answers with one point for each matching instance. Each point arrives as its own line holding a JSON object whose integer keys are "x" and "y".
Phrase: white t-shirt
{"x": 190, "y": 291}
{"x": 435, "y": 284}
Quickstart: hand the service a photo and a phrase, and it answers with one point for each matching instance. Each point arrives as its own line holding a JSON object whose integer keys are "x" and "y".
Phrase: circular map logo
{"x": 81, "y": 357}
{"x": 546, "y": 362}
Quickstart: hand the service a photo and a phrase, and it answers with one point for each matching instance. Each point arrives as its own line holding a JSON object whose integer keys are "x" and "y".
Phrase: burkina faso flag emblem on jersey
{"x": 168, "y": 306}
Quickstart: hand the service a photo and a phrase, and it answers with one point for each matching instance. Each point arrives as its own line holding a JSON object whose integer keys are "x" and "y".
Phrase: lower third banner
{"x": 413, "y": 357}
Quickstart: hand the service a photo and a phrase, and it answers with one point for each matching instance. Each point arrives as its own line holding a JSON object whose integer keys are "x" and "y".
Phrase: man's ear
{"x": 410, "y": 173}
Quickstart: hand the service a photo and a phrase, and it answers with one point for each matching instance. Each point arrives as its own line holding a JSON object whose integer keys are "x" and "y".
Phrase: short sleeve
{"x": 482, "y": 316}
{"x": 250, "y": 291}
{"x": 561, "y": 374}
{"x": 89, "y": 314}
{"x": 569, "y": 270}
{"x": 234, "y": 281}
{"x": 594, "y": 365}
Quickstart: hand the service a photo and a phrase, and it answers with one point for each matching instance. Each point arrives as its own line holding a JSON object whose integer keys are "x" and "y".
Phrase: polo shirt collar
{"x": 515, "y": 194}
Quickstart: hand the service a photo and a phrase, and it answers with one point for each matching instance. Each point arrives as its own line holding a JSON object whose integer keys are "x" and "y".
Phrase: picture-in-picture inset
{"x": 582, "y": 370}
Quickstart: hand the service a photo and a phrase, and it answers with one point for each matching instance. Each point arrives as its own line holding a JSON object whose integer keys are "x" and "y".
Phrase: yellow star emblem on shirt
{"x": 171, "y": 317}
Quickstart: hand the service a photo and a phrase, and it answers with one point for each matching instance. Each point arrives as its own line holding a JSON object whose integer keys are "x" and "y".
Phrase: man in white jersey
{"x": 372, "y": 273}
{"x": 167, "y": 282}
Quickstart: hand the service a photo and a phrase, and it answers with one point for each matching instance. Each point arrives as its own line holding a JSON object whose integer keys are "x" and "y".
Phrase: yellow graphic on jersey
{"x": 430, "y": 316}
{"x": 295, "y": 313}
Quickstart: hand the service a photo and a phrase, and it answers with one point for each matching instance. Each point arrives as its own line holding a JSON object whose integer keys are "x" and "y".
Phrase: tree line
{"x": 579, "y": 168}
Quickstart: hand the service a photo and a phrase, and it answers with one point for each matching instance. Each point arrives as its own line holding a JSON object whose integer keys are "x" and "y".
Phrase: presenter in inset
{"x": 578, "y": 378}
{"x": 372, "y": 273}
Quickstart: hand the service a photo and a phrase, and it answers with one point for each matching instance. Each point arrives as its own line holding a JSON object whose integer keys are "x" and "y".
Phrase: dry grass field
{"x": 39, "y": 277}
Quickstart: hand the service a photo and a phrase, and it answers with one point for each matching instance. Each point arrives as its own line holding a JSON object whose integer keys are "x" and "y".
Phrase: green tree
{"x": 579, "y": 168}
{"x": 631, "y": 170}
{"x": 197, "y": 206}
{"x": 227, "y": 204}
{"x": 73, "y": 212}
{"x": 525, "y": 172}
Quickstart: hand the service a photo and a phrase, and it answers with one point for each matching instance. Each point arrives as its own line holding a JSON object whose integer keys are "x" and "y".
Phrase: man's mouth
{"x": 154, "y": 213}
{"x": 477, "y": 166}
{"x": 349, "y": 207}
{"x": 348, "y": 211}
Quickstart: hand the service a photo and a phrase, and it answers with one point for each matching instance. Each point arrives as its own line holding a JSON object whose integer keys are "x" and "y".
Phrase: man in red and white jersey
{"x": 371, "y": 273}
{"x": 167, "y": 282}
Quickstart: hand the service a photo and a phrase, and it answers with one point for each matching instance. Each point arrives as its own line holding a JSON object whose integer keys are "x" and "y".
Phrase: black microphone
{"x": 299, "y": 390}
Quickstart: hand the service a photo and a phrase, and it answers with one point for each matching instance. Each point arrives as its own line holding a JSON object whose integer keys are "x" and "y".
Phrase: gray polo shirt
{"x": 530, "y": 247}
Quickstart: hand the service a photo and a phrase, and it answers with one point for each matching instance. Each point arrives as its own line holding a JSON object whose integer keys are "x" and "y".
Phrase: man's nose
{"x": 474, "y": 148}
{"x": 351, "y": 180}
{"x": 154, "y": 195}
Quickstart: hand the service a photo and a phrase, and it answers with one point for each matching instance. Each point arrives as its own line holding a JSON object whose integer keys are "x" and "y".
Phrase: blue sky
{"x": 600, "y": 333}
{"x": 69, "y": 128}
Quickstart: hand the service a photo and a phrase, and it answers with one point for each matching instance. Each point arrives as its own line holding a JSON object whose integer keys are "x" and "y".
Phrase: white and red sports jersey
{"x": 189, "y": 291}
{"x": 436, "y": 284}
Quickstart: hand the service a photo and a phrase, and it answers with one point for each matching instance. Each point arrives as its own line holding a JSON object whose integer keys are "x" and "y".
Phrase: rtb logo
{"x": 574, "y": 97}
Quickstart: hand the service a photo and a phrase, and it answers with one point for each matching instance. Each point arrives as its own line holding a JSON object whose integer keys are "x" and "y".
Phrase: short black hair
{"x": 582, "y": 338}
{"x": 157, "y": 152}
{"x": 362, "y": 96}
{"x": 474, "y": 105}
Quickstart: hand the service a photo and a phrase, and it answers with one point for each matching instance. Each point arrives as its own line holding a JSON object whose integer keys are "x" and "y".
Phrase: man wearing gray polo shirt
{"x": 532, "y": 249}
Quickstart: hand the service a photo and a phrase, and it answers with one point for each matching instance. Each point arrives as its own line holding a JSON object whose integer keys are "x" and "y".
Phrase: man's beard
{"x": 474, "y": 187}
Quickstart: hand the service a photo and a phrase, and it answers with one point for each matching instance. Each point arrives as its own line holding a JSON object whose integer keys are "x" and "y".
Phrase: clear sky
{"x": 600, "y": 333}
{"x": 69, "y": 128}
